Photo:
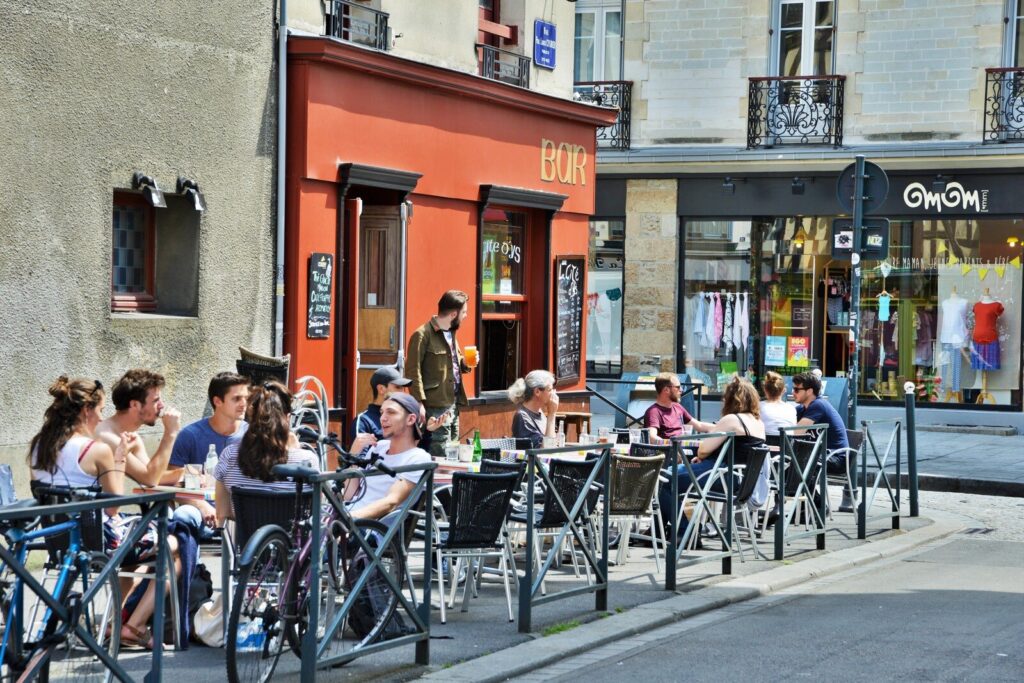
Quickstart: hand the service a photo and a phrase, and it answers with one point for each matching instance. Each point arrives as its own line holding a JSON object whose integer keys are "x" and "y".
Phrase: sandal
{"x": 137, "y": 638}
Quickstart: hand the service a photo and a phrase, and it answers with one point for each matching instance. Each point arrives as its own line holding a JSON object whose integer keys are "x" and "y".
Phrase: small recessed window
{"x": 132, "y": 259}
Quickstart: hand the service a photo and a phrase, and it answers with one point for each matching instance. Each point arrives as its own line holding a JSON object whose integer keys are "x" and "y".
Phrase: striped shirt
{"x": 229, "y": 474}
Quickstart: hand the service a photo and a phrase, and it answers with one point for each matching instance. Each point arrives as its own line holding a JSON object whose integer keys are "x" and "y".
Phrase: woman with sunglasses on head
{"x": 65, "y": 452}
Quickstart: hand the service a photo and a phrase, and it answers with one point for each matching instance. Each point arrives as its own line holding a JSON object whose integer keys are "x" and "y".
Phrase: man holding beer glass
{"x": 435, "y": 365}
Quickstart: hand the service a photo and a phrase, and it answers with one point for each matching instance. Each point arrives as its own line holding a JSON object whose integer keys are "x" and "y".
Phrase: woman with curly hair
{"x": 268, "y": 441}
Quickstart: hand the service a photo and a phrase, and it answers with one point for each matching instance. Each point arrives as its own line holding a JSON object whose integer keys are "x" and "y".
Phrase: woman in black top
{"x": 537, "y": 400}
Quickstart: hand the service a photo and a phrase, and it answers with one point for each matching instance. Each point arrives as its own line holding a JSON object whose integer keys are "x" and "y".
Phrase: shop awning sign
{"x": 874, "y": 243}
{"x": 544, "y": 44}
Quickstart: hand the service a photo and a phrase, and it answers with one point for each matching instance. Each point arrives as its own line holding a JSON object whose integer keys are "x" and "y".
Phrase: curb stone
{"x": 540, "y": 652}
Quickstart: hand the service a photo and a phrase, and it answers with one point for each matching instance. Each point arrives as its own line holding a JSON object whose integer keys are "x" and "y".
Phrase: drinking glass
{"x": 470, "y": 355}
{"x": 634, "y": 436}
{"x": 192, "y": 477}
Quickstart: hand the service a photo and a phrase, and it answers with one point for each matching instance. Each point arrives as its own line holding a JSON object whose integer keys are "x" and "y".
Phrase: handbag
{"x": 208, "y": 622}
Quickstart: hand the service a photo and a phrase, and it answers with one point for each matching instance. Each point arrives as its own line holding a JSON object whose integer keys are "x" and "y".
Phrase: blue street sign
{"x": 544, "y": 44}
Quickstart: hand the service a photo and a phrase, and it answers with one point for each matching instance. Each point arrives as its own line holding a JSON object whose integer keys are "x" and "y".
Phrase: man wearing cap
{"x": 385, "y": 380}
{"x": 401, "y": 425}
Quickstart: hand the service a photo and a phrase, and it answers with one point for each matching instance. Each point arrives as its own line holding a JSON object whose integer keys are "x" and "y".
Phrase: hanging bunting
{"x": 1015, "y": 262}
{"x": 953, "y": 260}
{"x": 982, "y": 272}
{"x": 941, "y": 248}
{"x": 1000, "y": 270}
{"x": 965, "y": 268}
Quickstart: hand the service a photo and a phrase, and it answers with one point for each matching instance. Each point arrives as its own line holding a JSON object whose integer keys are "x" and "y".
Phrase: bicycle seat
{"x": 294, "y": 472}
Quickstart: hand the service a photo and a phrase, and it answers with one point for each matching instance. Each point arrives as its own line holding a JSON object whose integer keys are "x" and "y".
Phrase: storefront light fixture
{"x": 1012, "y": 241}
{"x": 729, "y": 185}
{"x": 939, "y": 184}
{"x": 190, "y": 189}
{"x": 153, "y": 194}
{"x": 799, "y": 238}
{"x": 798, "y": 186}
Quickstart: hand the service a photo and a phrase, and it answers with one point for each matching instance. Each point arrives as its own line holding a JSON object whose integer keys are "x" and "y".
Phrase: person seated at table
{"x": 813, "y": 409}
{"x": 741, "y": 415}
{"x": 776, "y": 412}
{"x": 384, "y": 382}
{"x": 67, "y": 452}
{"x": 537, "y": 403}
{"x": 666, "y": 416}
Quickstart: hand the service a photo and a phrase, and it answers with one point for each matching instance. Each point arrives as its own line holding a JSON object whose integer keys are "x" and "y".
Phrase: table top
{"x": 179, "y": 492}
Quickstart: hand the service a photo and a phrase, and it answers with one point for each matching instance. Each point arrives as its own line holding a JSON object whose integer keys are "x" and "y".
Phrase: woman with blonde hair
{"x": 537, "y": 400}
{"x": 775, "y": 412}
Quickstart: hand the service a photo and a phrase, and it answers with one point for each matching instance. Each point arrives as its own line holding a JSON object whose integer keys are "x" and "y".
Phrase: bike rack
{"x": 528, "y": 584}
{"x": 158, "y": 505}
{"x": 313, "y": 649}
{"x": 818, "y": 456}
{"x": 881, "y": 476}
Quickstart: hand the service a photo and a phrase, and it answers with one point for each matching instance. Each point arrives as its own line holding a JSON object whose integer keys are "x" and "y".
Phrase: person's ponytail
{"x": 70, "y": 396}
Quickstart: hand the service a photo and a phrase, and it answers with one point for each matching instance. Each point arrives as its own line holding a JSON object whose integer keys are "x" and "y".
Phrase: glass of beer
{"x": 470, "y": 354}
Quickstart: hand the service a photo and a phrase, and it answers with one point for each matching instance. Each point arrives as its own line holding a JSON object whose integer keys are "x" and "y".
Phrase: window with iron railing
{"x": 502, "y": 65}
{"x": 357, "y": 23}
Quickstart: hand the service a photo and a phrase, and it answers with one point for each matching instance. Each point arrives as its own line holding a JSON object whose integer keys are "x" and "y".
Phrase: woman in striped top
{"x": 268, "y": 441}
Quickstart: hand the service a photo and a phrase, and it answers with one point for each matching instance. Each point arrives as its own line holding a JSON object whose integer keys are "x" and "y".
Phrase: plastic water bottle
{"x": 250, "y": 636}
{"x": 210, "y": 466}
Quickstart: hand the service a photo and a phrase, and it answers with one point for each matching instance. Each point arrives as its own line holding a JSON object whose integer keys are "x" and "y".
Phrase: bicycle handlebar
{"x": 85, "y": 493}
{"x": 331, "y": 439}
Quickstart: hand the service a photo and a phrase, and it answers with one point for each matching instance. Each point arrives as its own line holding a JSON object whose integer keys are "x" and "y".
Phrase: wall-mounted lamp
{"x": 939, "y": 184}
{"x": 798, "y": 186}
{"x": 1012, "y": 241}
{"x": 190, "y": 189}
{"x": 153, "y": 194}
{"x": 799, "y": 238}
{"x": 728, "y": 185}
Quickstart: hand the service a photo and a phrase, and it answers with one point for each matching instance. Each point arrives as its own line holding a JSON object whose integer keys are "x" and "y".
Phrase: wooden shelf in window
{"x": 502, "y": 316}
{"x": 503, "y": 297}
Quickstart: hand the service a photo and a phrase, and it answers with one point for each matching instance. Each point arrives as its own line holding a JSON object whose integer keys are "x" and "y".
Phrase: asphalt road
{"x": 949, "y": 612}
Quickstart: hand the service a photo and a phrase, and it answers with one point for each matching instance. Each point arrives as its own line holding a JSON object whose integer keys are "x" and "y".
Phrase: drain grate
{"x": 979, "y": 530}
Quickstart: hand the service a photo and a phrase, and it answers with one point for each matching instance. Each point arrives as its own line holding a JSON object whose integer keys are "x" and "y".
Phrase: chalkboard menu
{"x": 321, "y": 279}
{"x": 568, "y": 318}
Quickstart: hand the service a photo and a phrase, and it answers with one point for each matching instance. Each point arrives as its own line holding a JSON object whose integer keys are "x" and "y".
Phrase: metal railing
{"x": 803, "y": 481}
{"x": 1004, "y": 106}
{"x": 618, "y": 94}
{"x": 880, "y": 459}
{"x": 806, "y": 110}
{"x": 355, "y": 23}
{"x": 502, "y": 65}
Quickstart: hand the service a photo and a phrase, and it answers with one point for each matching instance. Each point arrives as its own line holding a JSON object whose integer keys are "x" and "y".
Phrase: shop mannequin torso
{"x": 986, "y": 316}
{"x": 954, "y": 320}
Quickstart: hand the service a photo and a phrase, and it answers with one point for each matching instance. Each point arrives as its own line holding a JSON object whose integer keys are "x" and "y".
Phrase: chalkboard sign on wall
{"x": 321, "y": 279}
{"x": 568, "y": 318}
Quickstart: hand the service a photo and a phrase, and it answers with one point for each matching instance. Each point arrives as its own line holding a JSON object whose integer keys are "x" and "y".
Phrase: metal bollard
{"x": 909, "y": 389}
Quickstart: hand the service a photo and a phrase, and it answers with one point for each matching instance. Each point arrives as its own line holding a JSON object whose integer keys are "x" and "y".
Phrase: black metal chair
{"x": 476, "y": 517}
{"x": 634, "y": 483}
{"x": 742, "y": 492}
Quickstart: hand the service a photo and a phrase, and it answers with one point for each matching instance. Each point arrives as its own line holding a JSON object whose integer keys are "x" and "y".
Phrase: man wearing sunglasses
{"x": 814, "y": 410}
{"x": 666, "y": 417}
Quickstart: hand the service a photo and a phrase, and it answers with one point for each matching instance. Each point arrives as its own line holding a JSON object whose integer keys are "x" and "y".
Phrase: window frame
{"x": 135, "y": 302}
{"x": 807, "y": 29}
{"x": 594, "y": 371}
{"x": 600, "y": 9}
{"x": 1013, "y": 15}
{"x": 521, "y": 313}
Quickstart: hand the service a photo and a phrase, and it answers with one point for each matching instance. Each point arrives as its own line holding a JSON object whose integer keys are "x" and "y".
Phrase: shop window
{"x": 1014, "y": 42}
{"x": 598, "y": 37}
{"x": 804, "y": 36}
{"x": 605, "y": 296}
{"x": 504, "y": 298}
{"x": 154, "y": 256}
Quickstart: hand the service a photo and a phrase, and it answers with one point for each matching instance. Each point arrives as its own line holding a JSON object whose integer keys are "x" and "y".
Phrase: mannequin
{"x": 952, "y": 337}
{"x": 985, "y": 340}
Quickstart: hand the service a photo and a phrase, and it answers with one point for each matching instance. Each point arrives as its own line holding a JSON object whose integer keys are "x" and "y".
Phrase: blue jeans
{"x": 190, "y": 516}
{"x": 668, "y": 506}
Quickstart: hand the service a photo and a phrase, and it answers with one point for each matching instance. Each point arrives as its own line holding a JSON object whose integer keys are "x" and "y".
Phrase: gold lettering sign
{"x": 564, "y": 161}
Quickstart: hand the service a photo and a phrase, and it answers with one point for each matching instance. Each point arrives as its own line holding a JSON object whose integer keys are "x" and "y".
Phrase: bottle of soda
{"x": 478, "y": 449}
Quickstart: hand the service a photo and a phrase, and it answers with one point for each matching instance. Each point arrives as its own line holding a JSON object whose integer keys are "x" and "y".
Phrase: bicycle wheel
{"x": 256, "y": 627}
{"x": 70, "y": 659}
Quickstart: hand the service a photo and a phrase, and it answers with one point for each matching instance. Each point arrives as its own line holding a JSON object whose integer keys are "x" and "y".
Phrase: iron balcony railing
{"x": 803, "y": 110}
{"x": 502, "y": 65}
{"x": 618, "y": 94}
{"x": 355, "y": 23}
{"x": 1004, "y": 105}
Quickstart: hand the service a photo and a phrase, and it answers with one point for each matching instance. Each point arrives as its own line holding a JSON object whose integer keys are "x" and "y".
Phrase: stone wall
{"x": 649, "y": 309}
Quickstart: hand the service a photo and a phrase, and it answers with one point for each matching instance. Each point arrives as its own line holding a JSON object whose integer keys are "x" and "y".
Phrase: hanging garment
{"x": 717, "y": 337}
{"x": 700, "y": 320}
{"x": 741, "y": 321}
{"x": 985, "y": 355}
{"x": 986, "y": 316}
{"x": 924, "y": 337}
{"x": 727, "y": 325}
{"x": 951, "y": 354}
{"x": 954, "y": 321}
{"x": 834, "y": 306}
{"x": 883, "y": 307}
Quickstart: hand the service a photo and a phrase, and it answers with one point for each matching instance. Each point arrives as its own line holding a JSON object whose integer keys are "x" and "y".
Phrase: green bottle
{"x": 478, "y": 449}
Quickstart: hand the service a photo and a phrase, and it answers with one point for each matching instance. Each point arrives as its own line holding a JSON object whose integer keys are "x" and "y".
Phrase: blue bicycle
{"x": 37, "y": 643}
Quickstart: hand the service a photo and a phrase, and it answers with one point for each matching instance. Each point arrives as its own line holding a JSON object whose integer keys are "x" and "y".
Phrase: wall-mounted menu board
{"x": 568, "y": 318}
{"x": 321, "y": 278}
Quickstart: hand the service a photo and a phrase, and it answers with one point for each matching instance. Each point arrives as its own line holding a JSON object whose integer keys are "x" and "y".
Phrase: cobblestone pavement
{"x": 997, "y": 518}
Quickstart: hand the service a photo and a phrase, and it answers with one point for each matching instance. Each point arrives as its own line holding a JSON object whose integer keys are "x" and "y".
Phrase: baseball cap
{"x": 409, "y": 405}
{"x": 386, "y": 375}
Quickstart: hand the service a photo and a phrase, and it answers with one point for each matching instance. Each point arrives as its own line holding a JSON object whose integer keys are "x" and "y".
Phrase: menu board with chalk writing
{"x": 321, "y": 280}
{"x": 568, "y": 318}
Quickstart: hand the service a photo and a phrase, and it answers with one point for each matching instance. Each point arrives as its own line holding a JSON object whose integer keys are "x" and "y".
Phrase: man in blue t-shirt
{"x": 385, "y": 380}
{"x": 814, "y": 410}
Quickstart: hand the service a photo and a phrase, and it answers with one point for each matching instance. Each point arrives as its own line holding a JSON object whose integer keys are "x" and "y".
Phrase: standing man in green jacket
{"x": 436, "y": 366}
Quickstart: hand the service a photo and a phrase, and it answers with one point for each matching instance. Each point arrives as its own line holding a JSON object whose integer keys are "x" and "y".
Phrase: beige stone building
{"x": 718, "y": 189}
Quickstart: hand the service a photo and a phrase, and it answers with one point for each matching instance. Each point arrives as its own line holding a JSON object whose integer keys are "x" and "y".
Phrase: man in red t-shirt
{"x": 665, "y": 417}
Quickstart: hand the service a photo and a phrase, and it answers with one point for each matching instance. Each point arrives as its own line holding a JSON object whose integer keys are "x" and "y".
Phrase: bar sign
{"x": 544, "y": 44}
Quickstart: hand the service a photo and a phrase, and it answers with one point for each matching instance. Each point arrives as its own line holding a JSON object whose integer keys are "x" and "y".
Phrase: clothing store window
{"x": 804, "y": 36}
{"x": 717, "y": 301}
{"x": 504, "y": 298}
{"x": 605, "y": 290}
{"x": 597, "y": 40}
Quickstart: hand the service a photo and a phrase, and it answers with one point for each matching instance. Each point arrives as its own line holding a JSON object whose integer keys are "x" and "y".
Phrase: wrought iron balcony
{"x": 355, "y": 23}
{"x": 504, "y": 66}
{"x": 617, "y": 94}
{"x": 802, "y": 110}
{"x": 1004, "y": 106}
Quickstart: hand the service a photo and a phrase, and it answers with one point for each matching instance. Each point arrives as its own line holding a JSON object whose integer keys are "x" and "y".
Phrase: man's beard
{"x": 454, "y": 325}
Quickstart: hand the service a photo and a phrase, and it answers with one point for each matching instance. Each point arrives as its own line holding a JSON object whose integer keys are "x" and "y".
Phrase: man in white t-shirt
{"x": 400, "y": 422}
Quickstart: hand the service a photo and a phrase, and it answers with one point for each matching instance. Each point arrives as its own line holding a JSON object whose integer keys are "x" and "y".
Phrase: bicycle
{"x": 48, "y": 647}
{"x": 271, "y": 604}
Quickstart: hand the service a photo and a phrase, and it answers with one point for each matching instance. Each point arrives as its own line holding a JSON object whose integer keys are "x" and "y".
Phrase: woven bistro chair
{"x": 476, "y": 517}
{"x": 634, "y": 483}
